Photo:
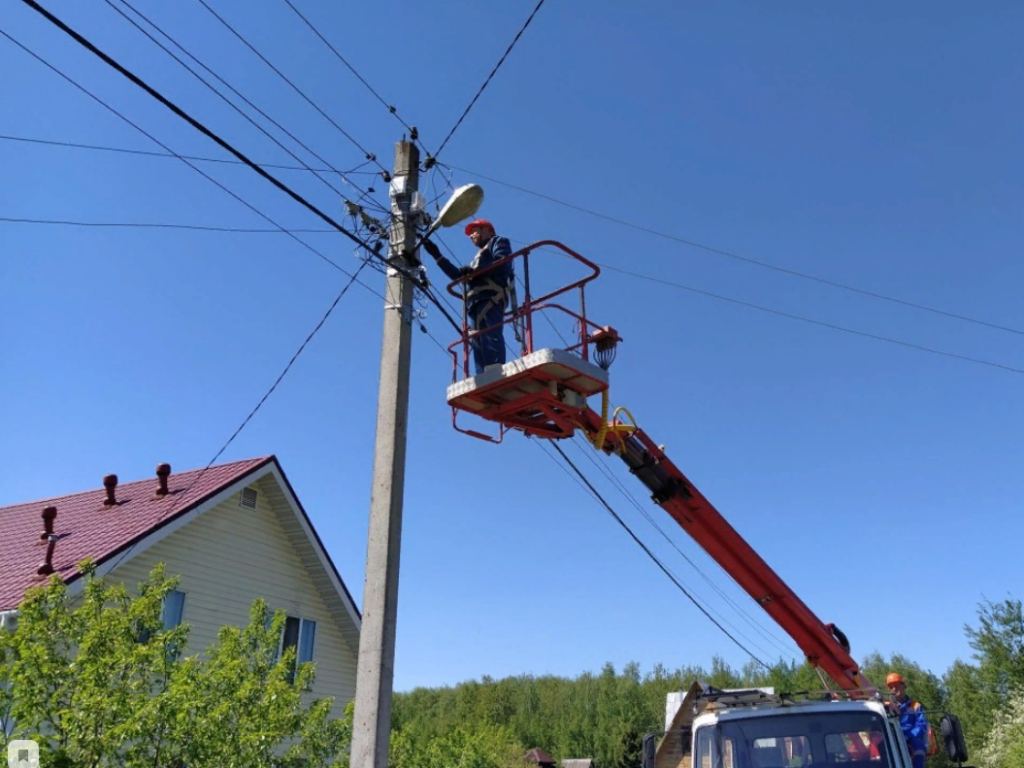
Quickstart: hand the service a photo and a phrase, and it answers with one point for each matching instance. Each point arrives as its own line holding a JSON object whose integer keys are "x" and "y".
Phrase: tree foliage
{"x": 97, "y": 681}
{"x": 605, "y": 716}
{"x": 1004, "y": 745}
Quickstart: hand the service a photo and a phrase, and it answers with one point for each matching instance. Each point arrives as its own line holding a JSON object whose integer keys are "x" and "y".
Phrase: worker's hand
{"x": 432, "y": 249}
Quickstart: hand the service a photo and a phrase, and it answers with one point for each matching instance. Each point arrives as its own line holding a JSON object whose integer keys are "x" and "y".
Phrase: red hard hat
{"x": 477, "y": 224}
{"x": 894, "y": 678}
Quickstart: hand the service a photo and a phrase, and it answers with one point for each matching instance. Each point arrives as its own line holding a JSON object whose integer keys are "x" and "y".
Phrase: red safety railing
{"x": 589, "y": 332}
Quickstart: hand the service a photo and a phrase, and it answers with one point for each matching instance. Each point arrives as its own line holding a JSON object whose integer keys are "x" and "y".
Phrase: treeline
{"x": 492, "y": 723}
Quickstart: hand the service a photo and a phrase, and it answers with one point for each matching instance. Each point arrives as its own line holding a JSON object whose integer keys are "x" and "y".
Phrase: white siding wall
{"x": 228, "y": 557}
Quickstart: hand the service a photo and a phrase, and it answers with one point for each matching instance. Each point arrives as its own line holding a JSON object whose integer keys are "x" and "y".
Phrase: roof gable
{"x": 111, "y": 535}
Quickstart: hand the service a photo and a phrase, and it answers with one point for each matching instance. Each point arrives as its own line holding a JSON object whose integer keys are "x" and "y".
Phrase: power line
{"x": 267, "y": 394}
{"x": 654, "y": 558}
{"x": 432, "y": 160}
{"x": 224, "y": 98}
{"x": 458, "y": 328}
{"x": 198, "y": 170}
{"x": 135, "y": 79}
{"x": 147, "y": 153}
{"x": 390, "y": 107}
{"x": 760, "y": 629}
{"x": 151, "y": 225}
{"x": 780, "y": 313}
{"x": 746, "y": 259}
{"x": 288, "y": 367}
{"x": 228, "y": 101}
{"x": 369, "y": 156}
{"x": 812, "y": 321}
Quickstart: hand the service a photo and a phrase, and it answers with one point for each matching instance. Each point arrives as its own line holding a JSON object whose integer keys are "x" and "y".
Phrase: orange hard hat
{"x": 894, "y": 678}
{"x": 477, "y": 224}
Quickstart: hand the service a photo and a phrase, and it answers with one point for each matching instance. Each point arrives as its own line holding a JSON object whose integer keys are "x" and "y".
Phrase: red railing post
{"x": 526, "y": 304}
{"x": 583, "y": 324}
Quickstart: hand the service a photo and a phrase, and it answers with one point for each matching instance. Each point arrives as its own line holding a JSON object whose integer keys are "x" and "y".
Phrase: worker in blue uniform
{"x": 912, "y": 719}
{"x": 486, "y": 294}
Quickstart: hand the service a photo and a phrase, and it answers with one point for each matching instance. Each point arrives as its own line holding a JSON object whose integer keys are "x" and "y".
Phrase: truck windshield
{"x": 794, "y": 740}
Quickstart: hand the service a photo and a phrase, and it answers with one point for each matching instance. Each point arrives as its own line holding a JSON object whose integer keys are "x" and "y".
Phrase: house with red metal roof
{"x": 232, "y": 533}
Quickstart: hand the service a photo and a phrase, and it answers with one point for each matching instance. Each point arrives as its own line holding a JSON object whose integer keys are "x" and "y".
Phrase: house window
{"x": 170, "y": 613}
{"x": 174, "y": 607}
{"x": 300, "y": 634}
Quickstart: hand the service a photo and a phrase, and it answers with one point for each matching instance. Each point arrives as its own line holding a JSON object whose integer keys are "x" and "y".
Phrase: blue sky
{"x": 869, "y": 145}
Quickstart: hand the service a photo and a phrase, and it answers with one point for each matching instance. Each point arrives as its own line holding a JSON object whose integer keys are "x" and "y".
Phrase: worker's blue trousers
{"x": 488, "y": 347}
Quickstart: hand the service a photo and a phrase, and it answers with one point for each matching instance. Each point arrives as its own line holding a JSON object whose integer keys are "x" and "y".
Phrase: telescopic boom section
{"x": 825, "y": 646}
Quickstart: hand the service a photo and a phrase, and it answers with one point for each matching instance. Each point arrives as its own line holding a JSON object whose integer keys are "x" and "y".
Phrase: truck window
{"x": 710, "y": 754}
{"x": 801, "y": 739}
{"x": 789, "y": 751}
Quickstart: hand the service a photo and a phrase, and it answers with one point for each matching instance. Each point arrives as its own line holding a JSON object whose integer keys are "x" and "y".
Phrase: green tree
{"x": 1004, "y": 746}
{"x": 482, "y": 746}
{"x": 979, "y": 692}
{"x": 99, "y": 682}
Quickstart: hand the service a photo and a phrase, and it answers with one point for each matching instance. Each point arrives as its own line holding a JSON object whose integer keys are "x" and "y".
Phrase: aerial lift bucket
{"x": 544, "y": 392}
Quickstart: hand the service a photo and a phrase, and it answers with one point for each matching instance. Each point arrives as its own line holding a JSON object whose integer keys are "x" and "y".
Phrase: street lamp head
{"x": 464, "y": 202}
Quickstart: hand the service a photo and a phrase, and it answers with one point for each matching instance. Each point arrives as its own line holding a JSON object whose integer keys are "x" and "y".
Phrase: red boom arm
{"x": 677, "y": 495}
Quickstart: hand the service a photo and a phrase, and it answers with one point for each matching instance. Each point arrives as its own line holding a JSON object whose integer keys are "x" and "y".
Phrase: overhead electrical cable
{"x": 189, "y": 119}
{"x": 746, "y": 259}
{"x": 432, "y": 160}
{"x": 801, "y": 318}
{"x": 432, "y": 297}
{"x": 226, "y": 100}
{"x": 812, "y": 321}
{"x": 369, "y": 155}
{"x": 195, "y": 124}
{"x": 587, "y": 450}
{"x": 654, "y": 558}
{"x": 152, "y": 225}
{"x": 148, "y": 153}
{"x": 390, "y": 107}
{"x": 198, "y": 170}
{"x": 267, "y": 394}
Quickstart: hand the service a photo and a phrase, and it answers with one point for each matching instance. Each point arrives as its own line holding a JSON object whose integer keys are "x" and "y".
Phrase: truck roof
{"x": 770, "y": 708}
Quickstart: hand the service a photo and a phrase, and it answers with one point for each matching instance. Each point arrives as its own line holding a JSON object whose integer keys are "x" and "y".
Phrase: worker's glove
{"x": 432, "y": 249}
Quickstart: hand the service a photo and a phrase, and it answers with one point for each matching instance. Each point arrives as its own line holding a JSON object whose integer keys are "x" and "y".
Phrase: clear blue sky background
{"x": 871, "y": 145}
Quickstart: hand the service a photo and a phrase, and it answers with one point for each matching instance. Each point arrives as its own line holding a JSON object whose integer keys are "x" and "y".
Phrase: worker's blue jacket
{"x": 483, "y": 289}
{"x": 915, "y": 728}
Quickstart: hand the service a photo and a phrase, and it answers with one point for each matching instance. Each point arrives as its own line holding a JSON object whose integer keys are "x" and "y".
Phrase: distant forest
{"x": 493, "y": 723}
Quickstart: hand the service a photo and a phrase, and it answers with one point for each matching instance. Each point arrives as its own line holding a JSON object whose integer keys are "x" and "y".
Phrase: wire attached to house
{"x": 745, "y": 259}
{"x": 266, "y": 395}
{"x": 652, "y": 556}
{"x": 431, "y": 160}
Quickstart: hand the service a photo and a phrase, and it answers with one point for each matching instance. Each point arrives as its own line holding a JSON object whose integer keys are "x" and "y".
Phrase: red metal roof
{"x": 87, "y": 528}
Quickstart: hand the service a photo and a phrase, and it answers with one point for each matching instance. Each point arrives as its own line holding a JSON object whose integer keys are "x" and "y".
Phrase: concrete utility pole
{"x": 375, "y": 674}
